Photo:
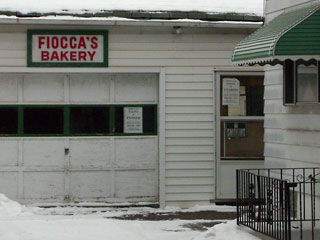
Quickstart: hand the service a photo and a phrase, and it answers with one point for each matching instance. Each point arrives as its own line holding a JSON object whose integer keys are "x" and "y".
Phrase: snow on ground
{"x": 254, "y": 7}
{"x": 18, "y": 222}
{"x": 228, "y": 230}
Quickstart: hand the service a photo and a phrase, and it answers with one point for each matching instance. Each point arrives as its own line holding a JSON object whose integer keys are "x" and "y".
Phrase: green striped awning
{"x": 292, "y": 35}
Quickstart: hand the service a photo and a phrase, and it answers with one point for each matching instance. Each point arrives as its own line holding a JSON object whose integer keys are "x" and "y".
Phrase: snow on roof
{"x": 247, "y": 7}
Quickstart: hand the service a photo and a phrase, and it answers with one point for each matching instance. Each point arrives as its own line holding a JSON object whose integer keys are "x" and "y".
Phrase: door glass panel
{"x": 240, "y": 139}
{"x": 241, "y": 96}
{"x": 241, "y": 126}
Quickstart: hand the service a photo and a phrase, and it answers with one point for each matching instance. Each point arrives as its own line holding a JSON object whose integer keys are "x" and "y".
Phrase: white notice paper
{"x": 230, "y": 91}
{"x": 133, "y": 120}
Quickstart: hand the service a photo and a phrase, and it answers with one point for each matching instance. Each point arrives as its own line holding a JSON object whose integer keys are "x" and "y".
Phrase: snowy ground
{"x": 18, "y": 222}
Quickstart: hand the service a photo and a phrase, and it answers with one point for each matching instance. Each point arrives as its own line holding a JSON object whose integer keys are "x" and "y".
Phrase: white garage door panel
{"x": 136, "y": 184}
{"x": 9, "y": 152}
{"x": 80, "y": 168}
{"x": 9, "y": 87}
{"x": 9, "y": 184}
{"x": 43, "y": 88}
{"x": 90, "y": 184}
{"x": 43, "y": 152}
{"x": 88, "y": 88}
{"x": 136, "y": 152}
{"x": 90, "y": 153}
{"x": 136, "y": 87}
{"x": 43, "y": 185}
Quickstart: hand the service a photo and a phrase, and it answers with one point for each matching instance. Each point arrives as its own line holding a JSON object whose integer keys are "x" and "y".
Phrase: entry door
{"x": 239, "y": 127}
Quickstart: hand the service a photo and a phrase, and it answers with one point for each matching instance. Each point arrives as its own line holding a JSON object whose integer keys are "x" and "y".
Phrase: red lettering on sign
{"x": 55, "y": 42}
{"x": 82, "y": 56}
{"x": 94, "y": 43}
{"x": 48, "y": 42}
{"x": 63, "y": 56}
{"x": 40, "y": 41}
{"x": 73, "y": 56}
{"x": 73, "y": 43}
{"x": 64, "y": 43}
{"x": 44, "y": 55}
{"x": 91, "y": 54}
{"x": 54, "y": 56}
{"x": 82, "y": 43}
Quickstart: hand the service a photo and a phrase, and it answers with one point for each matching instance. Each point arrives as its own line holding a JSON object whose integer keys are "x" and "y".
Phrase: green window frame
{"x": 66, "y": 120}
{"x": 291, "y": 82}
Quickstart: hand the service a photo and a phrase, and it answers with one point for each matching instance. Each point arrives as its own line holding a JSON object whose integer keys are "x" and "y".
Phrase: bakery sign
{"x": 67, "y": 48}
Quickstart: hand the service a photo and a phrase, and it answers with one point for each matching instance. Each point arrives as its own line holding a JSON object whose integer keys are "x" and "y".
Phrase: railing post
{"x": 238, "y": 189}
{"x": 288, "y": 208}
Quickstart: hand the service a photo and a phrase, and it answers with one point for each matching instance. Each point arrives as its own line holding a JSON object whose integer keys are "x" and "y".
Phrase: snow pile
{"x": 9, "y": 207}
{"x": 254, "y": 7}
{"x": 226, "y": 231}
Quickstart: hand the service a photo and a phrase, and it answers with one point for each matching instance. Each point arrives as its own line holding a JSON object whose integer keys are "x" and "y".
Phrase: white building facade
{"x": 140, "y": 128}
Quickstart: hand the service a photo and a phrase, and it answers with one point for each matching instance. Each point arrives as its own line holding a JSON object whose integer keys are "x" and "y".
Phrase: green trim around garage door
{"x": 292, "y": 33}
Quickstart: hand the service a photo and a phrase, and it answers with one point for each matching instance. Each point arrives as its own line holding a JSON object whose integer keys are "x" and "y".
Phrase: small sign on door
{"x": 230, "y": 91}
{"x": 133, "y": 120}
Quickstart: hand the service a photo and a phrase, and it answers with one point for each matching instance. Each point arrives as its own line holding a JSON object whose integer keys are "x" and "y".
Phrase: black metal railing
{"x": 280, "y": 203}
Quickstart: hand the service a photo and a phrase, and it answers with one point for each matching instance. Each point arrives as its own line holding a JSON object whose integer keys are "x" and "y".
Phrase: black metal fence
{"x": 281, "y": 203}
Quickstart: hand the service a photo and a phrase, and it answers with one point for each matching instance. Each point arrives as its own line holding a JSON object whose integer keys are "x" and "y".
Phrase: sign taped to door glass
{"x": 230, "y": 91}
{"x": 133, "y": 120}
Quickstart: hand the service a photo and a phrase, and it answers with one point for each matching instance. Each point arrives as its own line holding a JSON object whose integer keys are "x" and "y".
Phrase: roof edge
{"x": 146, "y": 15}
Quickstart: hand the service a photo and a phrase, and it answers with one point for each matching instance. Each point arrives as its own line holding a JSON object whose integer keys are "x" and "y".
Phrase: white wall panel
{"x": 88, "y": 88}
{"x": 43, "y": 88}
{"x": 9, "y": 184}
{"x": 9, "y": 87}
{"x": 133, "y": 184}
{"x": 9, "y": 152}
{"x": 136, "y": 88}
{"x": 90, "y": 153}
{"x": 43, "y": 153}
{"x": 90, "y": 184}
{"x": 136, "y": 152}
{"x": 43, "y": 185}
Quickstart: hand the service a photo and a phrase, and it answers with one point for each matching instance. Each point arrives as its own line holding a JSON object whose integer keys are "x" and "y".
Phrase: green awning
{"x": 292, "y": 35}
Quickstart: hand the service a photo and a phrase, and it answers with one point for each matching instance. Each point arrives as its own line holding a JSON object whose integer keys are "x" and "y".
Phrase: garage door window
{"x": 148, "y": 121}
{"x": 78, "y": 120}
{"x": 43, "y": 120}
{"x": 89, "y": 120}
{"x": 8, "y": 120}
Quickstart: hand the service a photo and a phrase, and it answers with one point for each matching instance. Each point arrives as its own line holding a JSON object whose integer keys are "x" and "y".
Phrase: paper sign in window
{"x": 230, "y": 91}
{"x": 133, "y": 120}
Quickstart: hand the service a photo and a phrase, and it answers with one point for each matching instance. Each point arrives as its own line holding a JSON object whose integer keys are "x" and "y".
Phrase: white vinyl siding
{"x": 292, "y": 133}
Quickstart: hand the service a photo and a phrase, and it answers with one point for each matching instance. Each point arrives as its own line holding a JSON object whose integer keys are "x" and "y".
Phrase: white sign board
{"x": 48, "y": 48}
{"x": 133, "y": 120}
{"x": 67, "y": 48}
{"x": 230, "y": 91}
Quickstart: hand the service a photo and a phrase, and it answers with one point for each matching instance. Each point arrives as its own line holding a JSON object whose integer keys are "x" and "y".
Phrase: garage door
{"x": 79, "y": 137}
